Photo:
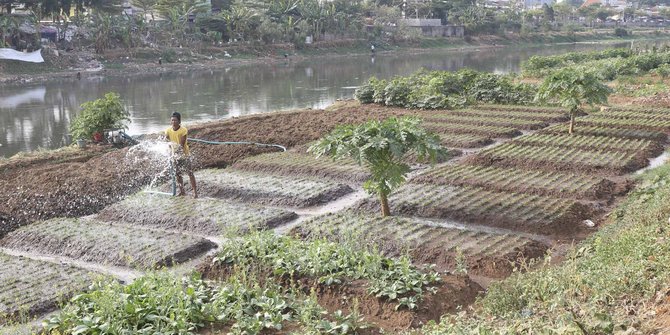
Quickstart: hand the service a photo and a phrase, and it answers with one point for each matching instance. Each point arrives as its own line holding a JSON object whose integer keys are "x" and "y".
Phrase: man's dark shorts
{"x": 184, "y": 164}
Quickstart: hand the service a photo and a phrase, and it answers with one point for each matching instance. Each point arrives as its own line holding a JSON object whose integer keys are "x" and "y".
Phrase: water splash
{"x": 154, "y": 157}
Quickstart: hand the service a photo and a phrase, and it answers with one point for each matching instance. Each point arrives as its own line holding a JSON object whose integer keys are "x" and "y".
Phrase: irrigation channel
{"x": 515, "y": 194}
{"x": 37, "y": 115}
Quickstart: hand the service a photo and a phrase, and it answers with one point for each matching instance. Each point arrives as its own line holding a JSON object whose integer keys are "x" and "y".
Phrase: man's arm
{"x": 182, "y": 140}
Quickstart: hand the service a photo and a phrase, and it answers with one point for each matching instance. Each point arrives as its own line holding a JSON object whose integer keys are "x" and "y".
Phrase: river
{"x": 37, "y": 115}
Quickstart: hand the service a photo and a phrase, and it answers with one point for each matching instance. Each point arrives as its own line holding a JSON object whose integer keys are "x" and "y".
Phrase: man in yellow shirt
{"x": 177, "y": 134}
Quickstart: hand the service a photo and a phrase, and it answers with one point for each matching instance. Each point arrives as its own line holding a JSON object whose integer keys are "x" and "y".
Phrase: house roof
{"x": 590, "y": 3}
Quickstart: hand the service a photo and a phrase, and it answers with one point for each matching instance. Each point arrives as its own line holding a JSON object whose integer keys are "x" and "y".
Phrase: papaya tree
{"x": 382, "y": 147}
{"x": 571, "y": 88}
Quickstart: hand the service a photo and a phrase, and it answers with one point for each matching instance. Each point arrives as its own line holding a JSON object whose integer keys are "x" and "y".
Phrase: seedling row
{"x": 644, "y": 147}
{"x": 465, "y": 140}
{"x": 29, "y": 287}
{"x": 104, "y": 243}
{"x": 519, "y": 108}
{"x": 557, "y": 158}
{"x": 485, "y": 253}
{"x": 633, "y": 114}
{"x": 539, "y": 182}
{"x": 268, "y": 189}
{"x": 291, "y": 164}
{"x": 490, "y": 131}
{"x": 558, "y": 116}
{"x": 629, "y": 123}
{"x": 647, "y": 110}
{"x": 581, "y": 129}
{"x": 199, "y": 216}
{"x": 486, "y": 121}
{"x": 537, "y": 214}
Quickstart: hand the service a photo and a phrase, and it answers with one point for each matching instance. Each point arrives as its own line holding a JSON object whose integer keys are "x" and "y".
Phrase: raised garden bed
{"x": 29, "y": 287}
{"x": 104, "y": 243}
{"x": 533, "y": 109}
{"x": 479, "y": 252}
{"x": 662, "y": 125}
{"x": 490, "y": 131}
{"x": 268, "y": 189}
{"x": 486, "y": 121}
{"x": 518, "y": 211}
{"x": 646, "y": 148}
{"x": 560, "y": 159}
{"x": 198, "y": 216}
{"x": 550, "y": 183}
{"x": 558, "y": 116}
{"x": 465, "y": 140}
{"x": 607, "y": 131}
{"x": 298, "y": 164}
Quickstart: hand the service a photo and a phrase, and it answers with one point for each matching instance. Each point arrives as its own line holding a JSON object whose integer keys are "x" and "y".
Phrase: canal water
{"x": 36, "y": 115}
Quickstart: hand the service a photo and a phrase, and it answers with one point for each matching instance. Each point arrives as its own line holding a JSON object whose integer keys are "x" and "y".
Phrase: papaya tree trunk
{"x": 572, "y": 121}
{"x": 386, "y": 211}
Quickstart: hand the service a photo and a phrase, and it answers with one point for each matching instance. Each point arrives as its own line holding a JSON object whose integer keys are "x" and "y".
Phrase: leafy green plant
{"x": 381, "y": 147}
{"x": 330, "y": 263}
{"x": 97, "y": 115}
{"x": 571, "y": 88}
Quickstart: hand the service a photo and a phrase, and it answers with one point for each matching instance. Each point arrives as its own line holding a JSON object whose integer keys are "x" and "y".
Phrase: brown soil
{"x": 68, "y": 184}
{"x": 454, "y": 292}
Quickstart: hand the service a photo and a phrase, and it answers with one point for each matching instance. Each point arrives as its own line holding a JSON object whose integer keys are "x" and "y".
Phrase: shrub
{"x": 104, "y": 113}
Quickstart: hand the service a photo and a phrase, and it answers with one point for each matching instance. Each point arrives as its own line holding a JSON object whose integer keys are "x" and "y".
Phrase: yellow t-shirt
{"x": 175, "y": 135}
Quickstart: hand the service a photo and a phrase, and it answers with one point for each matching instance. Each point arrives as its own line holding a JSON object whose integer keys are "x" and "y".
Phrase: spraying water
{"x": 155, "y": 157}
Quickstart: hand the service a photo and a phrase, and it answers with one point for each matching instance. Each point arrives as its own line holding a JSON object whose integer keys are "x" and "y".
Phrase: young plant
{"x": 381, "y": 146}
{"x": 572, "y": 88}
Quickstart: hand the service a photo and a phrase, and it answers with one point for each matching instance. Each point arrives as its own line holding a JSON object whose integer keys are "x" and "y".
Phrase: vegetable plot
{"x": 556, "y": 158}
{"x": 608, "y": 131}
{"x": 29, "y": 287}
{"x": 268, "y": 189}
{"x": 200, "y": 216}
{"x": 477, "y": 251}
{"x": 662, "y": 125}
{"x": 539, "y": 182}
{"x": 651, "y": 114}
{"x": 291, "y": 164}
{"x": 465, "y": 140}
{"x": 490, "y": 131}
{"x": 520, "y": 108}
{"x": 486, "y": 121}
{"x": 558, "y": 116}
{"x": 532, "y": 213}
{"x": 645, "y": 148}
{"x": 97, "y": 242}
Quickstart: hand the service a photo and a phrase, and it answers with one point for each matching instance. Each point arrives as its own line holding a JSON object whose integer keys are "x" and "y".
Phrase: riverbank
{"x": 73, "y": 65}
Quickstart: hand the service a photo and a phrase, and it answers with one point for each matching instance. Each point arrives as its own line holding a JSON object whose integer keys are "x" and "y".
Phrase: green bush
{"x": 104, "y": 113}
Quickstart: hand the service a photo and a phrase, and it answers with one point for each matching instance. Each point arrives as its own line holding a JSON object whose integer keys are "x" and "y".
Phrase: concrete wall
{"x": 442, "y": 31}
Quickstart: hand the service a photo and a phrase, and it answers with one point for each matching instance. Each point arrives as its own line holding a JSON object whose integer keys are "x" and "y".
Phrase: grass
{"x": 617, "y": 270}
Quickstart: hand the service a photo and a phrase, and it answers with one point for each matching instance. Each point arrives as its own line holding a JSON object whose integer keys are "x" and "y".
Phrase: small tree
{"x": 104, "y": 113}
{"x": 572, "y": 88}
{"x": 382, "y": 147}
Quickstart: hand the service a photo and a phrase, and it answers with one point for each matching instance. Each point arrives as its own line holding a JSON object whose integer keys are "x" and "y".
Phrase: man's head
{"x": 175, "y": 120}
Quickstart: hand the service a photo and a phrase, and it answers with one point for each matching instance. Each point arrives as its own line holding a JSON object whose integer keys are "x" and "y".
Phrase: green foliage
{"x": 104, "y": 113}
{"x": 619, "y": 269}
{"x": 330, "y": 263}
{"x": 381, "y": 146}
{"x": 153, "y": 302}
{"x": 442, "y": 89}
{"x": 571, "y": 88}
{"x": 162, "y": 303}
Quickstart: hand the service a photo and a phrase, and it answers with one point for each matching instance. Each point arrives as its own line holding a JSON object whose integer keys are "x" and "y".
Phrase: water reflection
{"x": 37, "y": 116}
